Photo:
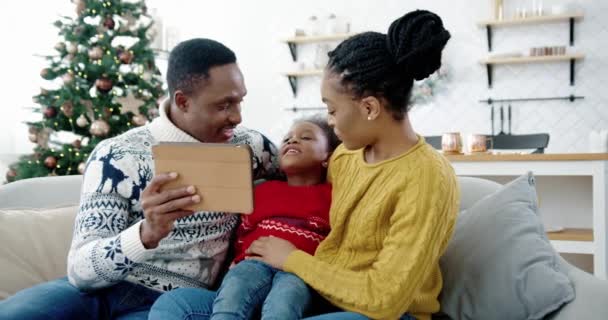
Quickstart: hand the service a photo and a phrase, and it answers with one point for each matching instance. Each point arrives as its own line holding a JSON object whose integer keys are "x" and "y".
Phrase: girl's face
{"x": 304, "y": 149}
{"x": 345, "y": 113}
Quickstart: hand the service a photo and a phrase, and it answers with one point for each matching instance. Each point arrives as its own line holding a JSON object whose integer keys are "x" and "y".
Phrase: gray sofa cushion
{"x": 500, "y": 264}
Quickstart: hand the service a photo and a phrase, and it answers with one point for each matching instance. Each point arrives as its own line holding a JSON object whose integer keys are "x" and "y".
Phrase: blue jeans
{"x": 197, "y": 304}
{"x": 251, "y": 284}
{"x": 58, "y": 299}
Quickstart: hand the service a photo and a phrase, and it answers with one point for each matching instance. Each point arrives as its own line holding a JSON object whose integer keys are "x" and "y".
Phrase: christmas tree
{"x": 106, "y": 82}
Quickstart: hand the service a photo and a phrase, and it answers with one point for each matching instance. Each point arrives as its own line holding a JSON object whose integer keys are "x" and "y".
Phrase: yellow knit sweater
{"x": 391, "y": 221}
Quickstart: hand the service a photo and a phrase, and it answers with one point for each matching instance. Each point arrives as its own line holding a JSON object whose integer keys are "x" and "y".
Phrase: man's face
{"x": 214, "y": 108}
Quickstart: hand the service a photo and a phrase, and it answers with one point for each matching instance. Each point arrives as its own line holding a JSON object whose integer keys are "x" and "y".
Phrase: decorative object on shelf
{"x": 548, "y": 51}
{"x": 313, "y": 26}
{"x": 451, "y": 143}
{"x": 498, "y": 9}
{"x": 477, "y": 143}
{"x": 425, "y": 90}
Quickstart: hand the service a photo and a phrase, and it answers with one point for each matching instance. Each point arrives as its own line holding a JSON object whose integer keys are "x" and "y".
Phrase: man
{"x": 131, "y": 241}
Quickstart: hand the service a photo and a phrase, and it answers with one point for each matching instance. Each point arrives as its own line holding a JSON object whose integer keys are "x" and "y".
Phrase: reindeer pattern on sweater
{"x": 106, "y": 247}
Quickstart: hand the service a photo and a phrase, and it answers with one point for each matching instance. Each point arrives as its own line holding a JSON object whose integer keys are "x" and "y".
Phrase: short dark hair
{"x": 385, "y": 65}
{"x": 321, "y": 121}
{"x": 190, "y": 61}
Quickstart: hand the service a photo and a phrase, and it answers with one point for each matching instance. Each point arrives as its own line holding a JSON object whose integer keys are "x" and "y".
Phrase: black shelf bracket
{"x": 571, "y": 31}
{"x": 572, "y": 62}
{"x": 296, "y": 109}
{"x": 489, "y": 32}
{"x": 293, "y": 82}
{"x": 293, "y": 48}
{"x": 570, "y": 98}
{"x": 489, "y": 69}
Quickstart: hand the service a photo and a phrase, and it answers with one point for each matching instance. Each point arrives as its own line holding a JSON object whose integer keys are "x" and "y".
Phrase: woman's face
{"x": 345, "y": 113}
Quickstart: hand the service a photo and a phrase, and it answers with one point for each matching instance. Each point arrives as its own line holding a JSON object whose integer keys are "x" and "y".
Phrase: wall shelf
{"x": 490, "y": 62}
{"x": 294, "y": 41}
{"x": 293, "y": 77}
{"x": 571, "y": 17}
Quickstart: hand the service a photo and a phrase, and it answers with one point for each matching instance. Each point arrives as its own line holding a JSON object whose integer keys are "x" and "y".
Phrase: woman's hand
{"x": 271, "y": 250}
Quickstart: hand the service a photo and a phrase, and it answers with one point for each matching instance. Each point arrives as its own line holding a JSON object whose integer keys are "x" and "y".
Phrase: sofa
{"x": 38, "y": 237}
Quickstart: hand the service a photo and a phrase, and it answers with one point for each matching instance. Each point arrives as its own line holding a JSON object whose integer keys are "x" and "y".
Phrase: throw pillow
{"x": 500, "y": 264}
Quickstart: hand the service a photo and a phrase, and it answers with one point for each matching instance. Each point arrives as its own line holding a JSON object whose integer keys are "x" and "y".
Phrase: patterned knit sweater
{"x": 106, "y": 246}
{"x": 390, "y": 223}
{"x": 299, "y": 214}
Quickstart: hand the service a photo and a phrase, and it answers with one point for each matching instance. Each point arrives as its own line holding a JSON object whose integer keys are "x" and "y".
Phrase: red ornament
{"x": 50, "y": 162}
{"x": 104, "y": 84}
{"x": 109, "y": 23}
{"x": 50, "y": 112}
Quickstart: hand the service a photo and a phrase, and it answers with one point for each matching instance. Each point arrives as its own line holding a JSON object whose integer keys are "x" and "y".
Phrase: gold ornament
{"x": 46, "y": 74}
{"x": 82, "y": 121}
{"x": 125, "y": 57}
{"x": 99, "y": 128}
{"x": 139, "y": 120}
{"x": 81, "y": 6}
{"x": 72, "y": 48}
{"x": 33, "y": 137}
{"x": 81, "y": 167}
{"x": 60, "y": 46}
{"x": 67, "y": 78}
{"x": 68, "y": 109}
{"x": 104, "y": 84}
{"x": 95, "y": 53}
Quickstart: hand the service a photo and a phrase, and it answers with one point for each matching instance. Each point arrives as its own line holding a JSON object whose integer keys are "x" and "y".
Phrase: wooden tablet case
{"x": 221, "y": 173}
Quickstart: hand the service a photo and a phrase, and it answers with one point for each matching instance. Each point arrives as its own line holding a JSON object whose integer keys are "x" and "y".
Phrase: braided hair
{"x": 386, "y": 65}
{"x": 190, "y": 61}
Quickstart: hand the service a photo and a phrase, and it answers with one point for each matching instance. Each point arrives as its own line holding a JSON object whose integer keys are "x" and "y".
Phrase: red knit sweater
{"x": 299, "y": 214}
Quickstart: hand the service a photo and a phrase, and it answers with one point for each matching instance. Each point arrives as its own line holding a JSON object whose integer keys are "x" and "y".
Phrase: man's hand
{"x": 162, "y": 208}
{"x": 271, "y": 250}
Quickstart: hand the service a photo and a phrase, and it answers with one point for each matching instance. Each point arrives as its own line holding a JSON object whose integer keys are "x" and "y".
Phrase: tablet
{"x": 221, "y": 173}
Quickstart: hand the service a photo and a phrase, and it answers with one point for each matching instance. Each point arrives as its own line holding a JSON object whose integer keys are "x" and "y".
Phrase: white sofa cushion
{"x": 35, "y": 243}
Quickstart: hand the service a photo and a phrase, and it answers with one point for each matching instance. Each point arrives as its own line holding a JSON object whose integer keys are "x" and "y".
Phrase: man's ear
{"x": 181, "y": 100}
{"x": 370, "y": 108}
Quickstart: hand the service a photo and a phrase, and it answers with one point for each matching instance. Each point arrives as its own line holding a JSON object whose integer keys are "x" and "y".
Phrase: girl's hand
{"x": 270, "y": 250}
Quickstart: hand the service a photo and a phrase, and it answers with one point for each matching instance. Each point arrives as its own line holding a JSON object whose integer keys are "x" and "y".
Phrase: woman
{"x": 394, "y": 198}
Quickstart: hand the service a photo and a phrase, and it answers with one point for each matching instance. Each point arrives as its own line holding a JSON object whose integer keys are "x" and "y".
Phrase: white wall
{"x": 253, "y": 29}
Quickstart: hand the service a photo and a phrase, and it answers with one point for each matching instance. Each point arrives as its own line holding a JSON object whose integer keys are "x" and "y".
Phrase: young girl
{"x": 394, "y": 199}
{"x": 296, "y": 210}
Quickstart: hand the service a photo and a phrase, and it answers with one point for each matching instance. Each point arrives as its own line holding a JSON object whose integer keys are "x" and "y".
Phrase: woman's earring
{"x": 369, "y": 118}
{"x": 324, "y": 164}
